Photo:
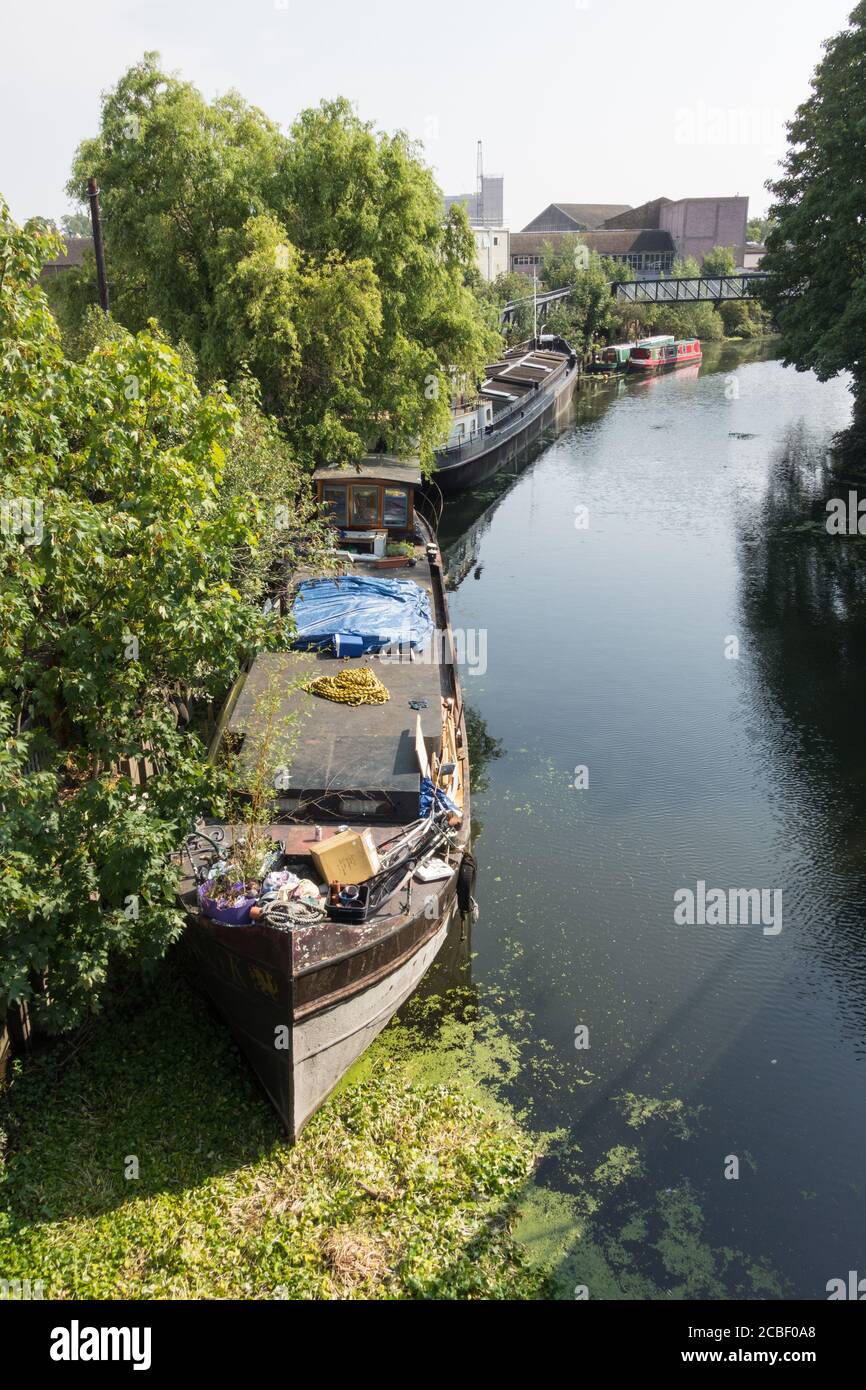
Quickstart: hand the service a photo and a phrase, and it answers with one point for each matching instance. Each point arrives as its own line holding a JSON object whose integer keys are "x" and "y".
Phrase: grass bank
{"x": 141, "y": 1161}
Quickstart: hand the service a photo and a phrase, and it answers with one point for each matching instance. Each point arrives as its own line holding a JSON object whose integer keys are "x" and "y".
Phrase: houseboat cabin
{"x": 370, "y": 503}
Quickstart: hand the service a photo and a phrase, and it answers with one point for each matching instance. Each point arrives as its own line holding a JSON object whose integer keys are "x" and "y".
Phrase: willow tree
{"x": 816, "y": 249}
{"x": 321, "y": 258}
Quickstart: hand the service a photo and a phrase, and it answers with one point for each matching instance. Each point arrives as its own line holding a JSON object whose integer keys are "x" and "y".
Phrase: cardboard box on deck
{"x": 350, "y": 857}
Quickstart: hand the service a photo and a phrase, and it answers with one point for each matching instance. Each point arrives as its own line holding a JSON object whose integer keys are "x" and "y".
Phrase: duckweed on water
{"x": 416, "y": 1180}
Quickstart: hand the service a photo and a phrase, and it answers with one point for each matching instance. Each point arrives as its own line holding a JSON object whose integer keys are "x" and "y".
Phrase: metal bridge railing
{"x": 702, "y": 289}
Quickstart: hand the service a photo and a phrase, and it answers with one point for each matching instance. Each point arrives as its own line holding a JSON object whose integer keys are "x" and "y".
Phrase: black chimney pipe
{"x": 93, "y": 195}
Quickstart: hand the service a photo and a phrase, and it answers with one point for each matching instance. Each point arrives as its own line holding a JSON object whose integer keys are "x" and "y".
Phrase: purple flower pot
{"x": 236, "y": 914}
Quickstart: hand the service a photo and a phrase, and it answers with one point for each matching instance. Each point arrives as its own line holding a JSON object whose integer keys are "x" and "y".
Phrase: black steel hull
{"x": 300, "y": 1032}
{"x": 498, "y": 450}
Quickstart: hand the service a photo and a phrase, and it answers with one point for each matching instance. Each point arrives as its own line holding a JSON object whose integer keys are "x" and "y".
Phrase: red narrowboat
{"x": 653, "y": 358}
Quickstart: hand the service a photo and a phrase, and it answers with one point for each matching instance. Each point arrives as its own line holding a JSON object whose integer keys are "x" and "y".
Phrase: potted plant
{"x": 397, "y": 554}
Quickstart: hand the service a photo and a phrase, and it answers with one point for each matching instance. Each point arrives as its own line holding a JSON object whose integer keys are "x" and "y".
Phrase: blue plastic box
{"x": 348, "y": 644}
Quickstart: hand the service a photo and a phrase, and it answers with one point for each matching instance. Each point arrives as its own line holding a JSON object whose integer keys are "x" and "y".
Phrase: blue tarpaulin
{"x": 425, "y": 802}
{"x": 379, "y": 611}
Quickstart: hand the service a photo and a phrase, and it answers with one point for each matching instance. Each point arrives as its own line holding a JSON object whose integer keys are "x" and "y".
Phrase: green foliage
{"x": 720, "y": 261}
{"x": 589, "y": 314}
{"x": 118, "y": 597}
{"x": 362, "y": 194}
{"x": 816, "y": 254}
{"x": 745, "y": 318}
{"x": 685, "y": 268}
{"x": 305, "y": 330}
{"x": 175, "y": 172}
{"x": 76, "y": 224}
{"x": 320, "y": 259}
{"x": 559, "y": 263}
{"x": 759, "y": 228}
{"x": 259, "y": 462}
{"x": 71, "y": 295}
{"x": 506, "y": 288}
{"x": 690, "y": 321}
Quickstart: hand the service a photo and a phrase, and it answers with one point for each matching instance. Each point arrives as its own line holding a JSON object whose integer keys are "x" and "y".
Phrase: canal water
{"x": 666, "y": 668}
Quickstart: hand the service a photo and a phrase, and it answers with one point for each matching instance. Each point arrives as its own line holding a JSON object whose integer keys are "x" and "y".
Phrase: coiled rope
{"x": 360, "y": 686}
{"x": 284, "y": 915}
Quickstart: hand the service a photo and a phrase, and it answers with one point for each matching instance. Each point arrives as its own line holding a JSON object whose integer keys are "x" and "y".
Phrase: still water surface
{"x": 606, "y": 649}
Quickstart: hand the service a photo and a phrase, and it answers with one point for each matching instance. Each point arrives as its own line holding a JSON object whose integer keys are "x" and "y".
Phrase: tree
{"x": 816, "y": 254}
{"x": 720, "y": 261}
{"x": 305, "y": 329}
{"x": 260, "y": 463}
{"x": 587, "y": 315}
{"x": 559, "y": 264}
{"x": 759, "y": 228}
{"x": 506, "y": 288}
{"x": 368, "y": 303}
{"x": 176, "y": 173}
{"x": 118, "y": 562}
{"x": 349, "y": 189}
{"x": 690, "y": 321}
{"x": 76, "y": 224}
{"x": 685, "y": 268}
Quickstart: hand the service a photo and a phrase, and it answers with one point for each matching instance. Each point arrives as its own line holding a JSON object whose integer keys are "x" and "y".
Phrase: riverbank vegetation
{"x": 589, "y": 317}
{"x": 816, "y": 249}
{"x": 140, "y": 1160}
{"x": 277, "y": 300}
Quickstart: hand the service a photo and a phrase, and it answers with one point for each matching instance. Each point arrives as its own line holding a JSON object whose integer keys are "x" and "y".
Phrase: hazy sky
{"x": 575, "y": 100}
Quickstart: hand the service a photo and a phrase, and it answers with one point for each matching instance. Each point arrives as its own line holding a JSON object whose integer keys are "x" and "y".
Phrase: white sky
{"x": 575, "y": 100}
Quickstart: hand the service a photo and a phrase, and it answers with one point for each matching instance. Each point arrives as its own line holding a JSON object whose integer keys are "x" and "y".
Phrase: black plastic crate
{"x": 357, "y": 912}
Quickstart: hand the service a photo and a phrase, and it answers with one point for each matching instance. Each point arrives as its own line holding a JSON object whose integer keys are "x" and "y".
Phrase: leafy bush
{"x": 118, "y": 568}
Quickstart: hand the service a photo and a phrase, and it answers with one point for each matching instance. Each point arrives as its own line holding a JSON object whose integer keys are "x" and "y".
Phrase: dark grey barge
{"x": 304, "y": 998}
{"x": 529, "y": 389}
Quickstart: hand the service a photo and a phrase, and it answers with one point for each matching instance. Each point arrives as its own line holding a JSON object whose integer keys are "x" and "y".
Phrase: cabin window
{"x": 396, "y": 507}
{"x": 365, "y": 506}
{"x": 334, "y": 501}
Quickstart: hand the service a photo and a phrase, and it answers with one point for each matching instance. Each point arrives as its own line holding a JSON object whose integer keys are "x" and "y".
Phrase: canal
{"x": 666, "y": 673}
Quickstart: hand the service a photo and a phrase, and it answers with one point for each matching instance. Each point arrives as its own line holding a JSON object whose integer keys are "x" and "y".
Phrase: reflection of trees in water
{"x": 803, "y": 594}
{"x": 483, "y": 748}
{"x": 804, "y": 598}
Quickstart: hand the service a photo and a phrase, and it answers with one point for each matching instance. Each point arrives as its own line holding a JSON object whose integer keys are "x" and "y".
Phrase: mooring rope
{"x": 351, "y": 687}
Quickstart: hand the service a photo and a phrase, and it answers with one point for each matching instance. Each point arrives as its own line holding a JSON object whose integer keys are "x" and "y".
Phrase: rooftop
{"x": 586, "y": 215}
{"x": 73, "y": 253}
{"x": 621, "y": 242}
{"x": 385, "y": 467}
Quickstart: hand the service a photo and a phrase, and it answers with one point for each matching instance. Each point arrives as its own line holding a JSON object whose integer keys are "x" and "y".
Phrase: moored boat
{"x": 527, "y": 390}
{"x": 656, "y": 357}
{"x": 366, "y": 858}
{"x": 615, "y": 357}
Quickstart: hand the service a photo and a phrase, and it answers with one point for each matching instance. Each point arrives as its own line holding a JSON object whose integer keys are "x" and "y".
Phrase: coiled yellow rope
{"x": 360, "y": 686}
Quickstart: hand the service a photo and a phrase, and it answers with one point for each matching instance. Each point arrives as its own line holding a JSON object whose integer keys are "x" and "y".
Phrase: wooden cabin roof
{"x": 383, "y": 468}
